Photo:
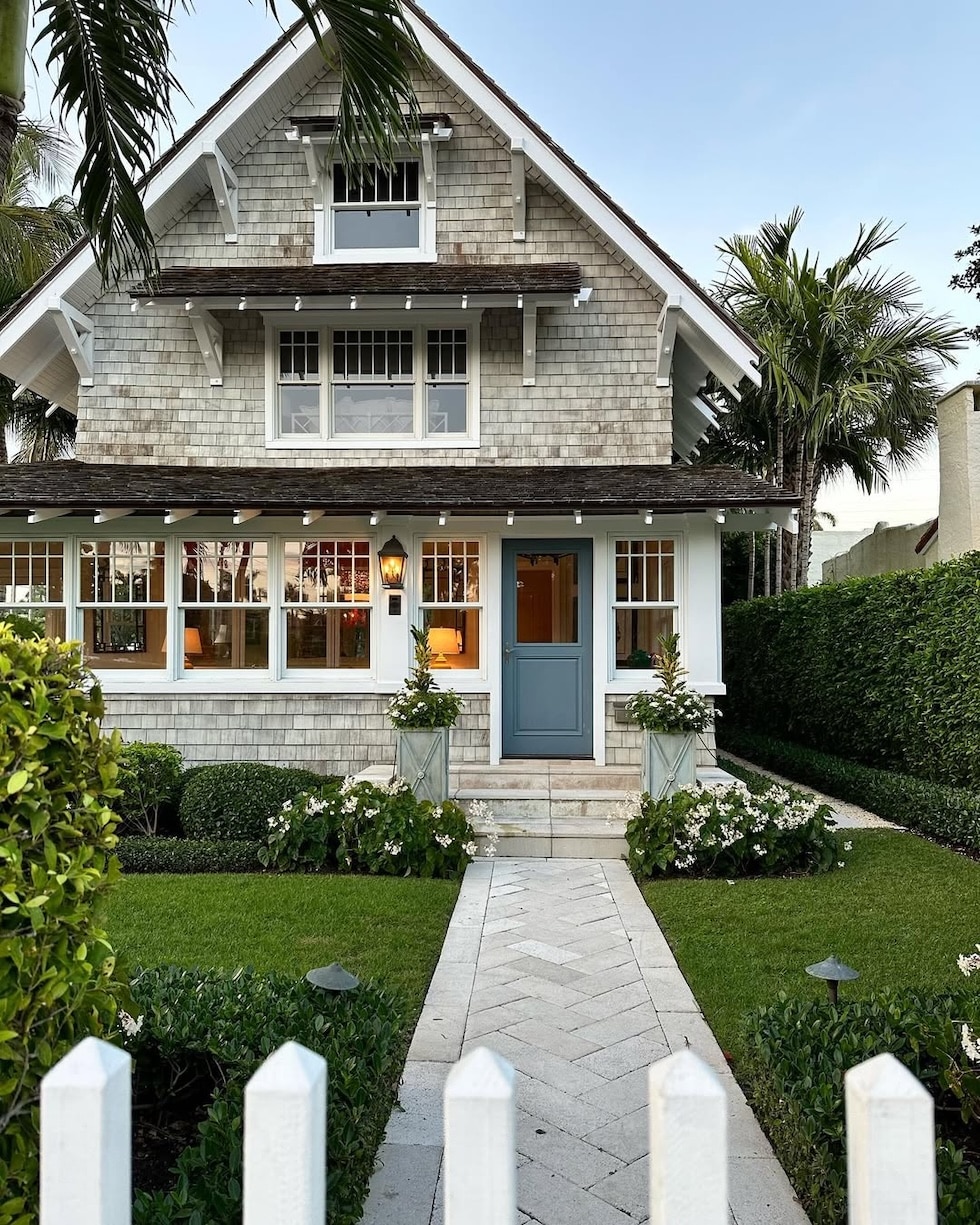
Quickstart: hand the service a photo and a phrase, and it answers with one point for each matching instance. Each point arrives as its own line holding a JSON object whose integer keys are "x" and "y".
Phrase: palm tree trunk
{"x": 13, "y": 54}
{"x": 767, "y": 565}
{"x": 780, "y": 467}
{"x": 811, "y": 482}
{"x": 752, "y": 542}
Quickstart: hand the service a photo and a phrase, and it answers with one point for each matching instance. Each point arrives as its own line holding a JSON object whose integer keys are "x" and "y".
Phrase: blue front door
{"x": 546, "y": 622}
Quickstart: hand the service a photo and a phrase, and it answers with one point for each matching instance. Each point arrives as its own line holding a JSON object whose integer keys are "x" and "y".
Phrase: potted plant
{"x": 671, "y": 717}
{"x": 422, "y": 715}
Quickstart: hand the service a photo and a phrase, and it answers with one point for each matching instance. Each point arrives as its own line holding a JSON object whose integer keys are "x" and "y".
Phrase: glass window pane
{"x": 454, "y": 637}
{"x": 46, "y": 622}
{"x": 226, "y": 638}
{"x": 446, "y": 408}
{"x": 667, "y": 578}
{"x": 638, "y": 632}
{"x": 225, "y": 571}
{"x": 299, "y": 409}
{"x": 327, "y": 572}
{"x": 122, "y": 571}
{"x": 355, "y": 229}
{"x": 31, "y": 571}
{"x": 377, "y": 409}
{"x": 125, "y": 638}
{"x": 328, "y": 638}
{"x": 547, "y": 597}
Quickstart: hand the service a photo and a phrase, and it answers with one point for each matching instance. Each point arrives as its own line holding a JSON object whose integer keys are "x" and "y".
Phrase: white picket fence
{"x": 85, "y": 1141}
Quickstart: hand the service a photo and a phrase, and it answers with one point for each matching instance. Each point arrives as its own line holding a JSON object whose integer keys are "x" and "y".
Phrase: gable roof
{"x": 708, "y": 338}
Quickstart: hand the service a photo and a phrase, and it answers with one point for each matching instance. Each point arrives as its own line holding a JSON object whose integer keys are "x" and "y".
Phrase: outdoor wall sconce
{"x": 392, "y": 558}
{"x": 833, "y": 972}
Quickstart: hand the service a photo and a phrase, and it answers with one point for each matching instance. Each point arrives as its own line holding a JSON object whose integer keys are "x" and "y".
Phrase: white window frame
{"x": 215, "y": 676}
{"x": 326, "y": 323}
{"x": 324, "y": 249}
{"x": 79, "y": 607}
{"x": 642, "y": 677}
{"x": 479, "y": 606}
{"x": 370, "y": 606}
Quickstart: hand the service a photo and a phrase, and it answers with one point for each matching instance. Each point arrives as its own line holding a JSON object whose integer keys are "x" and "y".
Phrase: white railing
{"x": 85, "y": 1141}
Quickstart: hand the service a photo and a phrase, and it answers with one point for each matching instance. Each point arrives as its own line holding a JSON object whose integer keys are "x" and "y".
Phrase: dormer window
{"x": 377, "y": 207}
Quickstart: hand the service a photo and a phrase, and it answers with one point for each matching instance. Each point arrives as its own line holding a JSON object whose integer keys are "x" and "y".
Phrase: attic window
{"x": 377, "y": 207}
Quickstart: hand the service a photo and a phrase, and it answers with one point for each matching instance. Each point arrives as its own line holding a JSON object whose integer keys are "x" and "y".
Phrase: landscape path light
{"x": 333, "y": 978}
{"x": 833, "y": 972}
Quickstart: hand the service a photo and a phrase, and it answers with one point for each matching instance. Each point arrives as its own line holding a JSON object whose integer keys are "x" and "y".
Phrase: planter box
{"x": 669, "y": 762}
{"x": 422, "y": 759}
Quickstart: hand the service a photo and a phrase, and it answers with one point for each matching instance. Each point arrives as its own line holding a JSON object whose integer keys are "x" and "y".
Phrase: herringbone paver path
{"x": 559, "y": 966}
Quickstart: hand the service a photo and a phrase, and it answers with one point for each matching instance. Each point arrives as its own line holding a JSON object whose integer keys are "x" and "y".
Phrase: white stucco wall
{"x": 959, "y": 471}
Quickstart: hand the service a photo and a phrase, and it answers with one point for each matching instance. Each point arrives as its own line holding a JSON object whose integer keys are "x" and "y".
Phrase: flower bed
{"x": 729, "y": 830}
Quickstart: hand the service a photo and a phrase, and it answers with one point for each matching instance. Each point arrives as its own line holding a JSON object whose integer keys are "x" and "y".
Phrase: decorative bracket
{"x": 315, "y": 170}
{"x": 77, "y": 332}
{"x": 107, "y": 514}
{"x": 45, "y": 513}
{"x": 518, "y": 175}
{"x": 666, "y": 338}
{"x": 211, "y": 338}
{"x": 224, "y": 184}
{"x": 530, "y": 341}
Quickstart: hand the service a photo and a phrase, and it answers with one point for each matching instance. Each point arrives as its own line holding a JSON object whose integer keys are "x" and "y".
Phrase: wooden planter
{"x": 669, "y": 762}
{"x": 422, "y": 760}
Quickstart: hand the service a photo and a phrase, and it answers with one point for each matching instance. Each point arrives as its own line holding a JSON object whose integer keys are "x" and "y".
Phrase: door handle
{"x": 507, "y": 650}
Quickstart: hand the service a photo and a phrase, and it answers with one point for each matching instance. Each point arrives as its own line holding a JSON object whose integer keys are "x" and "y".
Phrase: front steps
{"x": 546, "y": 808}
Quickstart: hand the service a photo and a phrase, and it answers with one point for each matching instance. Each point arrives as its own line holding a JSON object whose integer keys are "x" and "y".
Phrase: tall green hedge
{"x": 56, "y": 838}
{"x": 883, "y": 671}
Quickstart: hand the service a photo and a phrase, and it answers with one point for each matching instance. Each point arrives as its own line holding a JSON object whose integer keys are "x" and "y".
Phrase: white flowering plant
{"x": 728, "y": 830}
{"x": 671, "y": 708}
{"x": 362, "y": 827}
{"x": 422, "y": 704}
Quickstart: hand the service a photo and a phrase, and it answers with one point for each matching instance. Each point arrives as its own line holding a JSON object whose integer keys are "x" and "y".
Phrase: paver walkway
{"x": 559, "y": 966}
{"x": 847, "y": 816}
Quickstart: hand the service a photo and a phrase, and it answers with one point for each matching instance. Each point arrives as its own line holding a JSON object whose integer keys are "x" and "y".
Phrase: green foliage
{"x": 235, "y": 800}
{"x": 182, "y": 855}
{"x": 149, "y": 775}
{"x": 730, "y": 831}
{"x": 948, "y": 814}
{"x": 56, "y": 840}
{"x": 207, "y": 1023}
{"x": 672, "y": 707}
{"x": 884, "y": 671}
{"x": 421, "y": 703}
{"x": 22, "y": 627}
{"x": 800, "y": 1052}
{"x": 358, "y": 827}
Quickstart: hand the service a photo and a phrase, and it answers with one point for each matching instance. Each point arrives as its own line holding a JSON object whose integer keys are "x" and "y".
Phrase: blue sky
{"x": 705, "y": 118}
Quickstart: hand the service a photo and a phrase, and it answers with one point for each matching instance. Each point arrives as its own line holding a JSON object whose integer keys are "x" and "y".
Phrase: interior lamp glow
{"x": 443, "y": 641}
{"x": 392, "y": 559}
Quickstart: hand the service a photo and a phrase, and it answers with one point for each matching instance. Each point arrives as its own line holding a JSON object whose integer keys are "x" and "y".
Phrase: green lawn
{"x": 899, "y": 912}
{"x": 389, "y": 929}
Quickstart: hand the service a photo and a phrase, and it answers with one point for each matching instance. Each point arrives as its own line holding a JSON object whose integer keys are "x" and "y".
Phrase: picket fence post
{"x": 688, "y": 1143}
{"x": 891, "y": 1146}
{"x": 86, "y": 1175}
{"x": 285, "y": 1157}
{"x": 480, "y": 1169}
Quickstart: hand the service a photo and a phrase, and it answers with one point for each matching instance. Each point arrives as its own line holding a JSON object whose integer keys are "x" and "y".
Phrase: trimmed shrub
{"x": 201, "y": 1034}
{"x": 149, "y": 775}
{"x": 358, "y": 827}
{"x": 949, "y": 814}
{"x": 800, "y": 1052}
{"x": 729, "y": 831}
{"x": 234, "y": 800}
{"x": 187, "y": 855}
{"x": 56, "y": 840}
{"x": 884, "y": 671}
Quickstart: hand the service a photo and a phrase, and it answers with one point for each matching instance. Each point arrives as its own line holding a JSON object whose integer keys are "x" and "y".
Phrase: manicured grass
{"x": 899, "y": 912}
{"x": 385, "y": 928}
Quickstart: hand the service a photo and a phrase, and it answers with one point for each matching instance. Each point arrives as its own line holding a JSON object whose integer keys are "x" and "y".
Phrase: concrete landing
{"x": 559, "y": 966}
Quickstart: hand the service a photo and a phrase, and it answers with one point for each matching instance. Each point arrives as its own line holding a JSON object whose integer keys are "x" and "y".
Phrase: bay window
{"x": 224, "y": 605}
{"x": 645, "y": 605}
{"x": 32, "y": 584}
{"x": 122, "y": 593}
{"x": 327, "y": 603}
{"x": 450, "y": 604}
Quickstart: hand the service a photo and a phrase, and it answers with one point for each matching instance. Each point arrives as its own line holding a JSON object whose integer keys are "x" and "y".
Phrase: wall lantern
{"x": 392, "y": 558}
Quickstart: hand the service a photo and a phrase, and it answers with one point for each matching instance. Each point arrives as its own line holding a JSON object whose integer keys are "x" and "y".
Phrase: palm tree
{"x": 850, "y": 369}
{"x": 33, "y": 235}
{"x": 111, "y": 64}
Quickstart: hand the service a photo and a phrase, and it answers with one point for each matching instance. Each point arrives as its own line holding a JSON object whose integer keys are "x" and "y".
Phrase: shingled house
{"x": 463, "y": 391}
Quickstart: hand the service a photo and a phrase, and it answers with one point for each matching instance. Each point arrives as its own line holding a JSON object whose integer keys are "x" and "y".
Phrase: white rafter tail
{"x": 85, "y": 1137}
{"x": 44, "y": 513}
{"x": 717, "y": 513}
{"x": 112, "y": 512}
{"x": 688, "y": 1119}
{"x": 443, "y": 518}
{"x": 243, "y": 516}
{"x": 224, "y": 185}
{"x": 667, "y": 338}
{"x": 310, "y": 517}
{"x": 480, "y": 1166}
{"x": 285, "y": 1165}
{"x": 510, "y": 518}
{"x": 178, "y": 515}
{"x": 891, "y": 1145}
{"x": 647, "y": 516}
{"x": 578, "y": 518}
{"x": 530, "y": 347}
{"x": 518, "y": 182}
{"x": 210, "y": 336}
{"x": 376, "y": 517}
{"x": 77, "y": 332}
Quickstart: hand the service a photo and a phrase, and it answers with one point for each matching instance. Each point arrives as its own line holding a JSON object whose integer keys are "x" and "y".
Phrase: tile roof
{"x": 363, "y": 279}
{"x": 399, "y": 489}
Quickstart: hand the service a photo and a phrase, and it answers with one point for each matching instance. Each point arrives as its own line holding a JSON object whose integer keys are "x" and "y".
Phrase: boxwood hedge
{"x": 235, "y": 800}
{"x": 884, "y": 671}
{"x": 187, "y": 855}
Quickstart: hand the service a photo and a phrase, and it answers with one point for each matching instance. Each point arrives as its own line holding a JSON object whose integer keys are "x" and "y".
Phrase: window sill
{"x": 370, "y": 443}
{"x": 377, "y": 255}
{"x": 629, "y": 682}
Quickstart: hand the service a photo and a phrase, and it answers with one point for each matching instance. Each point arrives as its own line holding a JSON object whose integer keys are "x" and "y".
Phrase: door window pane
{"x": 547, "y": 597}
